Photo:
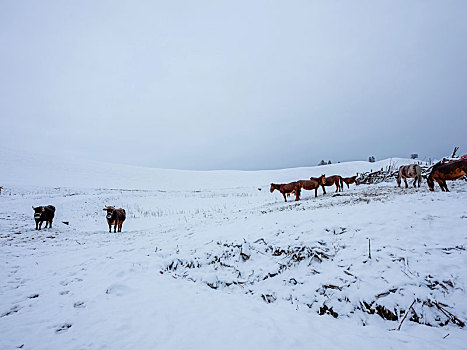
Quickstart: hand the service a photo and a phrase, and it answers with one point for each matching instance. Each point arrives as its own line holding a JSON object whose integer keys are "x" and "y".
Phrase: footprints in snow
{"x": 63, "y": 327}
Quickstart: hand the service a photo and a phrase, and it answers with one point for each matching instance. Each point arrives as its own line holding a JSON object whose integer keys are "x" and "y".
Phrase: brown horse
{"x": 313, "y": 184}
{"x": 293, "y": 187}
{"x": 412, "y": 170}
{"x": 331, "y": 180}
{"x": 448, "y": 171}
{"x": 349, "y": 181}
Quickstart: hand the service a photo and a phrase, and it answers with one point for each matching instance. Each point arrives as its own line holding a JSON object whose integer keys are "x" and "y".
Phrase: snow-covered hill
{"x": 22, "y": 168}
{"x": 206, "y": 260}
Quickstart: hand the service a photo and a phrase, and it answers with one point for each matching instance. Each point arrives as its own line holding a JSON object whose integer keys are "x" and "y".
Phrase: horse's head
{"x": 431, "y": 183}
{"x": 356, "y": 179}
{"x": 322, "y": 179}
{"x": 273, "y": 187}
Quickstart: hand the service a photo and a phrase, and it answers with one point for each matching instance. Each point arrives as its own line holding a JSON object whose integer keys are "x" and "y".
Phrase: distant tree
{"x": 371, "y": 159}
{"x": 322, "y": 162}
{"x": 329, "y": 162}
{"x": 414, "y": 155}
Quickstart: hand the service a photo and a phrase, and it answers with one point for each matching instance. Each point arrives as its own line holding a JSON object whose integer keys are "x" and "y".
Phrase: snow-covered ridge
{"x": 20, "y": 168}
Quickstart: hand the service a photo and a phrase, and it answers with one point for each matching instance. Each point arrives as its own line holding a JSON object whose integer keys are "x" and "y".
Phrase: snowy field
{"x": 213, "y": 260}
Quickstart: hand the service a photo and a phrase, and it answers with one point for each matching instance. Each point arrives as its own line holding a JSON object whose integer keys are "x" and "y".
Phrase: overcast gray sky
{"x": 233, "y": 84}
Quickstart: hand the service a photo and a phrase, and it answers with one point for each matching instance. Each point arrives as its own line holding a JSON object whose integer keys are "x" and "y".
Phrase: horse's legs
{"x": 324, "y": 191}
{"x": 445, "y": 186}
{"x": 415, "y": 182}
{"x": 405, "y": 180}
{"x": 316, "y": 192}
{"x": 398, "y": 181}
{"x": 285, "y": 198}
{"x": 440, "y": 183}
{"x": 297, "y": 193}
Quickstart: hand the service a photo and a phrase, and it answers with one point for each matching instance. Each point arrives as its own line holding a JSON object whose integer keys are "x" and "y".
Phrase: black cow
{"x": 44, "y": 213}
{"x": 115, "y": 217}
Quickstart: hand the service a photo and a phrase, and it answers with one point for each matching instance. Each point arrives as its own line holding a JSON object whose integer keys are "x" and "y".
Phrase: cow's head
{"x": 110, "y": 210}
{"x": 38, "y": 212}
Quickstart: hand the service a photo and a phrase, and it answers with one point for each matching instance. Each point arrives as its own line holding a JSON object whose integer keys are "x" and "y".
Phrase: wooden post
{"x": 369, "y": 248}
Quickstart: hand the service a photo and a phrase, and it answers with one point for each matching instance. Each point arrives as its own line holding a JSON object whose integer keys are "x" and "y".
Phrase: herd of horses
{"x": 314, "y": 183}
{"x": 440, "y": 172}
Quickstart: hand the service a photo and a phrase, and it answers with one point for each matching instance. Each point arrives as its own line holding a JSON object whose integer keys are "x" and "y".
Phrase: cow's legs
{"x": 40, "y": 224}
{"x": 110, "y": 227}
{"x": 46, "y": 224}
{"x": 50, "y": 223}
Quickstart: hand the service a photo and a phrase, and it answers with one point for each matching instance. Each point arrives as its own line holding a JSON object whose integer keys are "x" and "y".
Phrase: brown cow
{"x": 115, "y": 217}
{"x": 450, "y": 171}
{"x": 349, "y": 181}
{"x": 313, "y": 184}
{"x": 287, "y": 188}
